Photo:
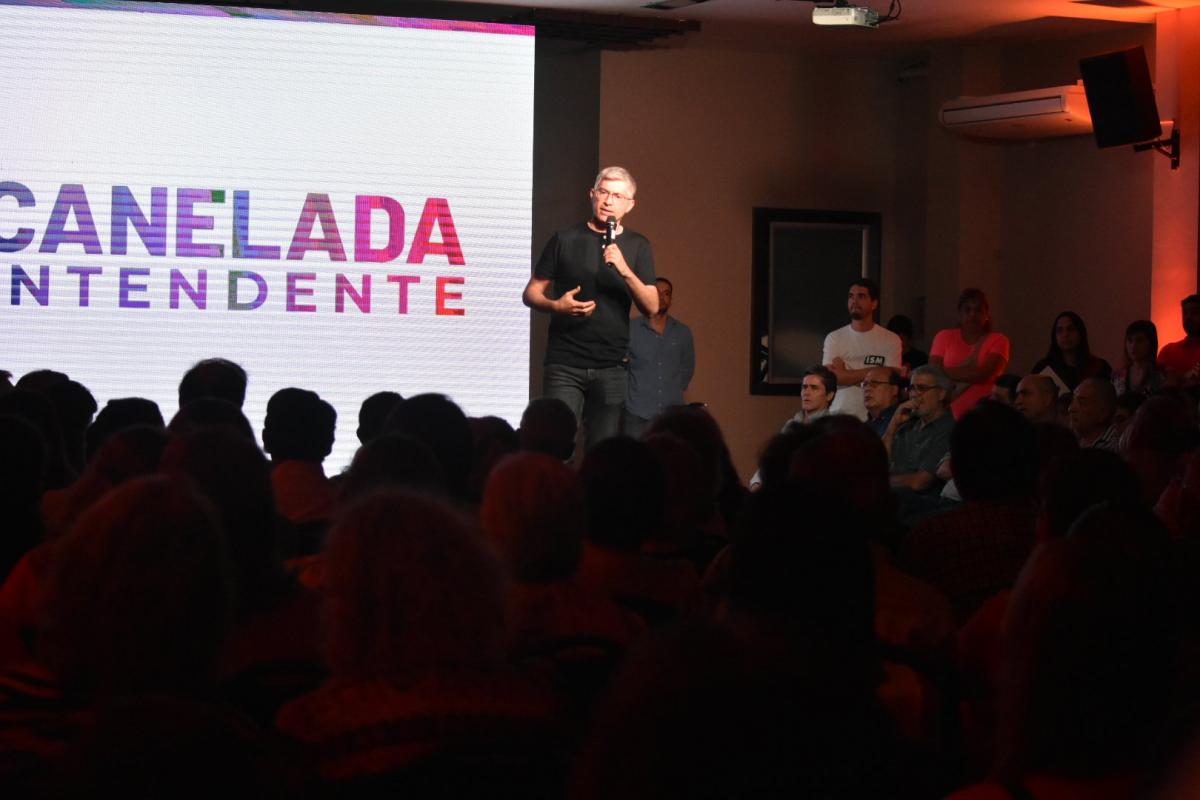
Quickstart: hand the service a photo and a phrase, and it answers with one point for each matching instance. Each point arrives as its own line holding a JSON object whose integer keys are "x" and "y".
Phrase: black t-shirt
{"x": 575, "y": 257}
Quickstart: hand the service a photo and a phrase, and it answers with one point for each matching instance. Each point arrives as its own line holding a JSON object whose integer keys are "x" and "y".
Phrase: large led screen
{"x": 338, "y": 203}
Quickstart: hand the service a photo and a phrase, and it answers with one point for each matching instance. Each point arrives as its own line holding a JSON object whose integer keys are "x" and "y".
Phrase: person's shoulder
{"x": 629, "y": 234}
{"x": 839, "y": 333}
{"x": 880, "y": 332}
{"x": 946, "y": 333}
{"x": 578, "y": 230}
{"x": 943, "y": 423}
{"x": 995, "y": 340}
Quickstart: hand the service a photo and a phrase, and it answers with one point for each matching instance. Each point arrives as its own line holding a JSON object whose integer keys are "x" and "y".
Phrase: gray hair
{"x": 941, "y": 379}
{"x": 616, "y": 174}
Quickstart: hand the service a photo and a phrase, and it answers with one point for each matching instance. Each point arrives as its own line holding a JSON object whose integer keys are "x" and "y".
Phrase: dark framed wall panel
{"x": 804, "y": 262}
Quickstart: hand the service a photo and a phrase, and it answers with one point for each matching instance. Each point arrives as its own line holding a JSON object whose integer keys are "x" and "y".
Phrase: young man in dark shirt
{"x": 589, "y": 286}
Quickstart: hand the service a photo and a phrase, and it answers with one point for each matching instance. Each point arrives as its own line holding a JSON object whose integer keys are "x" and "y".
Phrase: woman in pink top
{"x": 973, "y": 355}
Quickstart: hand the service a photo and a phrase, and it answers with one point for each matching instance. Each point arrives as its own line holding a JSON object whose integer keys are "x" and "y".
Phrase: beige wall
{"x": 1041, "y": 227}
{"x": 709, "y": 135}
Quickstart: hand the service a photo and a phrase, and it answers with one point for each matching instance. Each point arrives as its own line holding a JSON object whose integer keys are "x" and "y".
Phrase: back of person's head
{"x": 847, "y": 460}
{"x": 494, "y": 439}
{"x": 130, "y": 453}
{"x": 40, "y": 380}
{"x": 775, "y": 461}
{"x": 299, "y": 426}
{"x": 994, "y": 452}
{"x": 1079, "y": 480}
{"x": 1054, "y": 442}
{"x": 700, "y": 430}
{"x": 236, "y": 478}
{"x": 1163, "y": 430}
{"x": 1089, "y": 649}
{"x": 373, "y": 414}
{"x": 438, "y": 422}
{"x": 22, "y": 476}
{"x": 36, "y": 409}
{"x": 411, "y": 587}
{"x": 623, "y": 482}
{"x": 213, "y": 377}
{"x": 800, "y": 564}
{"x": 137, "y": 594}
{"x": 23, "y": 467}
{"x": 120, "y": 413}
{"x": 211, "y": 412}
{"x": 548, "y": 426}
{"x": 75, "y": 406}
{"x": 392, "y": 460}
{"x": 533, "y": 511}
{"x": 716, "y": 712}
{"x": 1164, "y": 423}
{"x": 684, "y": 512}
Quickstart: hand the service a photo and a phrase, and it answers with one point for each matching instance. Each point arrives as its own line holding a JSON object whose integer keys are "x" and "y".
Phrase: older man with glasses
{"x": 919, "y": 434}
{"x": 881, "y": 396}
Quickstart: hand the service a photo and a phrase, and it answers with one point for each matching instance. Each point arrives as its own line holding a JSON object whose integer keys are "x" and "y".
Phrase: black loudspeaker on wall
{"x": 1121, "y": 97}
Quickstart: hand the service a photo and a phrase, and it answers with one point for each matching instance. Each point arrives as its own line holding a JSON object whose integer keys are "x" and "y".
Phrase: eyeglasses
{"x": 918, "y": 388}
{"x": 604, "y": 194}
{"x": 868, "y": 384}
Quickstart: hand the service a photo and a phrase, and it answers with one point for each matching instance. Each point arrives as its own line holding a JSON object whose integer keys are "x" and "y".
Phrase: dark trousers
{"x": 596, "y": 396}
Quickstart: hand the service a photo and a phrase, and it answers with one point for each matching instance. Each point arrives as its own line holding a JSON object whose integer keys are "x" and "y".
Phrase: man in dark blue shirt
{"x": 662, "y": 359}
{"x": 881, "y": 396}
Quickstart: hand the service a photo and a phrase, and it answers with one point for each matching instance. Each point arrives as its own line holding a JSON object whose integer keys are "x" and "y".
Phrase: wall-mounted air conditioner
{"x": 1033, "y": 114}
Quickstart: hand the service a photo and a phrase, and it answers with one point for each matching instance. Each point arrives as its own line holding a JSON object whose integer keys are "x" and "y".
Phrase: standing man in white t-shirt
{"x": 854, "y": 350}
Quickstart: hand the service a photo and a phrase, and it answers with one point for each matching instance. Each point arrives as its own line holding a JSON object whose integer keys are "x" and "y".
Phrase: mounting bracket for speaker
{"x": 1168, "y": 147}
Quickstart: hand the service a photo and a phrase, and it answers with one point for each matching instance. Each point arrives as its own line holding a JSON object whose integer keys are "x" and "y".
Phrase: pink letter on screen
{"x": 436, "y": 210}
{"x": 342, "y": 287}
{"x": 294, "y": 290}
{"x": 317, "y": 207}
{"x": 403, "y": 282}
{"x": 443, "y": 296}
{"x": 364, "y": 205}
{"x": 198, "y": 293}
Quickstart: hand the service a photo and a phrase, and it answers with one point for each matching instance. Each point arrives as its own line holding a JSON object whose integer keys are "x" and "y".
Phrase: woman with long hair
{"x": 1141, "y": 374}
{"x": 1069, "y": 360}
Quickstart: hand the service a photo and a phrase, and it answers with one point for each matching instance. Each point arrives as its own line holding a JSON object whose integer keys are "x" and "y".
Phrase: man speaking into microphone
{"x": 587, "y": 277}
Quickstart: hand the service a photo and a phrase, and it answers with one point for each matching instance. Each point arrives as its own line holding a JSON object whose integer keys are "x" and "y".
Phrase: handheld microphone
{"x": 610, "y": 234}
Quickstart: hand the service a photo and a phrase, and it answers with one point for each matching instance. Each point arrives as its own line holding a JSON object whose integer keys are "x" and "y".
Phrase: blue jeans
{"x": 596, "y": 396}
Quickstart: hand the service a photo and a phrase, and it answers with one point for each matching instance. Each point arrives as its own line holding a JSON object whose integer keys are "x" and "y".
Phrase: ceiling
{"x": 782, "y": 24}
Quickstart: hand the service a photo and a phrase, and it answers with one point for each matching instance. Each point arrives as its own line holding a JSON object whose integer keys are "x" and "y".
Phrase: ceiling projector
{"x": 848, "y": 16}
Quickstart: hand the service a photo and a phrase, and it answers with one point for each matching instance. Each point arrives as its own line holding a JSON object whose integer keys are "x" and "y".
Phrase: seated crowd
{"x": 981, "y": 590}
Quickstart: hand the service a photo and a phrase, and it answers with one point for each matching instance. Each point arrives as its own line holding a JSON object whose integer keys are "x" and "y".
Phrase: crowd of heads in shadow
{"x": 191, "y": 607}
